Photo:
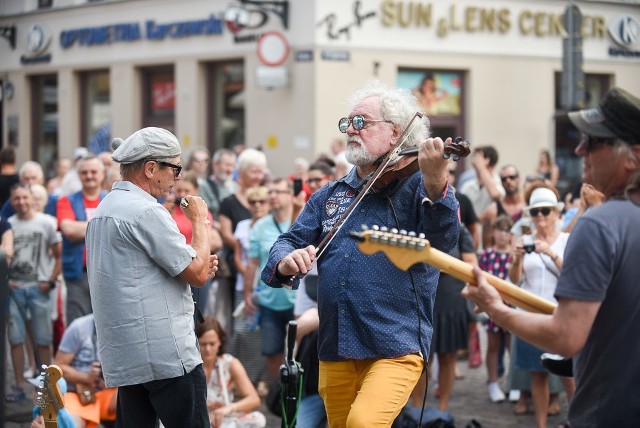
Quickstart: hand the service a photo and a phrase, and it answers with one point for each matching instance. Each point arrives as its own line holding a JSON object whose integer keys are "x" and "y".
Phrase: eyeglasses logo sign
{"x": 38, "y": 39}
{"x": 625, "y": 30}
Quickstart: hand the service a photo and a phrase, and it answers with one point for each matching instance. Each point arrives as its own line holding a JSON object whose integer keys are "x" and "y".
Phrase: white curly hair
{"x": 398, "y": 105}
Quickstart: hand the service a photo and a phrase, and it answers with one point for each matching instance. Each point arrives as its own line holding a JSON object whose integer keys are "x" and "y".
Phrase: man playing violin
{"x": 597, "y": 318}
{"x": 375, "y": 320}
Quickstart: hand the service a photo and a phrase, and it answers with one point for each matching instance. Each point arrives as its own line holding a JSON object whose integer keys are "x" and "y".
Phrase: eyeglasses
{"x": 257, "y": 202}
{"x": 315, "y": 180}
{"x": 177, "y": 168}
{"x": 508, "y": 177}
{"x": 535, "y": 211}
{"x": 358, "y": 121}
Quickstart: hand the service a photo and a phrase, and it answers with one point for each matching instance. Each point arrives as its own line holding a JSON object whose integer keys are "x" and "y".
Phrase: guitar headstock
{"x": 404, "y": 249}
{"x": 49, "y": 396}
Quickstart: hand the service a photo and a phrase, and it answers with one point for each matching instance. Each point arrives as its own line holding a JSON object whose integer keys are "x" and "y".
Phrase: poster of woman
{"x": 438, "y": 92}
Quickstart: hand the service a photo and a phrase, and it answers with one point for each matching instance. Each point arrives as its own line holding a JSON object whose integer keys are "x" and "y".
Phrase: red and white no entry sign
{"x": 273, "y": 48}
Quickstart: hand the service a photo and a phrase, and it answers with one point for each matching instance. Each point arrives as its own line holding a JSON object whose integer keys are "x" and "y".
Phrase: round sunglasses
{"x": 358, "y": 121}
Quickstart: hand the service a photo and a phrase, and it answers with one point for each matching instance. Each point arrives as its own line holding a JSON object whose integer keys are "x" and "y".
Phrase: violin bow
{"x": 406, "y": 249}
{"x": 370, "y": 181}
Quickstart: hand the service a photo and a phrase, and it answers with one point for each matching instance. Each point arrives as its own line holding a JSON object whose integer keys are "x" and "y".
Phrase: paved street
{"x": 470, "y": 401}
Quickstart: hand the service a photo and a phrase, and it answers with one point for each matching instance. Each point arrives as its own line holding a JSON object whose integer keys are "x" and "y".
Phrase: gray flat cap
{"x": 147, "y": 143}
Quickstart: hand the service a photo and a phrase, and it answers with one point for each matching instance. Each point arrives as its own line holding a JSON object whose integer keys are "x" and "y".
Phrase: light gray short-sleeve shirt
{"x": 143, "y": 309}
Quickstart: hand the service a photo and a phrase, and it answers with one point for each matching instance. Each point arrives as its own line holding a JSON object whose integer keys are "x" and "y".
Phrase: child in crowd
{"x": 496, "y": 260}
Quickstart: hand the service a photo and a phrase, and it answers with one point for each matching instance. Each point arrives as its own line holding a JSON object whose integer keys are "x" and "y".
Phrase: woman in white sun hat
{"x": 538, "y": 267}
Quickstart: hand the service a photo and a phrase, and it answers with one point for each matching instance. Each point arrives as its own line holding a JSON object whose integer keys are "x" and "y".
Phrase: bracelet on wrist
{"x": 52, "y": 284}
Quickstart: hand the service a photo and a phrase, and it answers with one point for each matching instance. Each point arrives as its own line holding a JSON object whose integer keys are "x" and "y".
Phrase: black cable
{"x": 425, "y": 357}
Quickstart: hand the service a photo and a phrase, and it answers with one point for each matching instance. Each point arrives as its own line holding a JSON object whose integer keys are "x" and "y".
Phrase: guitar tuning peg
{"x": 421, "y": 236}
{"x": 384, "y": 229}
{"x": 364, "y": 227}
{"x": 412, "y": 233}
{"x": 394, "y": 230}
{"x": 375, "y": 227}
{"x": 403, "y": 232}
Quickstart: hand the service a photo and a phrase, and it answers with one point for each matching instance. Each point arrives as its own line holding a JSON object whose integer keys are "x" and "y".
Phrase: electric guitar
{"x": 406, "y": 249}
{"x": 49, "y": 398}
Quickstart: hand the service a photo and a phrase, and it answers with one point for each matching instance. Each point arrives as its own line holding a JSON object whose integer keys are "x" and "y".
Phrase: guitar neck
{"x": 509, "y": 292}
{"x": 404, "y": 251}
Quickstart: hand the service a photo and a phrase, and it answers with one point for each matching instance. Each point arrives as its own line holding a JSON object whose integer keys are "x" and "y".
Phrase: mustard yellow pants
{"x": 367, "y": 393}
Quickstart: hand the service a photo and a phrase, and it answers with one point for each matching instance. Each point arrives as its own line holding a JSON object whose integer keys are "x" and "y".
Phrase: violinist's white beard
{"x": 358, "y": 155}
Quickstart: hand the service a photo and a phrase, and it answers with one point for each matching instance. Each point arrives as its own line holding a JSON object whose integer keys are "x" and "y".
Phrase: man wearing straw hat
{"x": 597, "y": 318}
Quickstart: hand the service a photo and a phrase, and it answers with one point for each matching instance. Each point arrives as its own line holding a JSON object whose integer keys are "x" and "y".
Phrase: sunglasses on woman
{"x": 535, "y": 211}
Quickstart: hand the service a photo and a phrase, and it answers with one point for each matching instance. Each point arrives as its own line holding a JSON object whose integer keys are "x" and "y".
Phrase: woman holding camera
{"x": 537, "y": 261}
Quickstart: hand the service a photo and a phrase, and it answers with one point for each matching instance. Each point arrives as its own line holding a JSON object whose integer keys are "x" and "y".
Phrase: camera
{"x": 528, "y": 244}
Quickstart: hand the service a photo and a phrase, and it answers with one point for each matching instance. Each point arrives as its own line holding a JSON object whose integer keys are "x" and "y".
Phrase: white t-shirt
{"x": 32, "y": 240}
{"x": 541, "y": 273}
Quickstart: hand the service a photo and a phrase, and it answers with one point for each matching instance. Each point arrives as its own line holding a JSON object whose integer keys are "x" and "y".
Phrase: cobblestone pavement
{"x": 469, "y": 401}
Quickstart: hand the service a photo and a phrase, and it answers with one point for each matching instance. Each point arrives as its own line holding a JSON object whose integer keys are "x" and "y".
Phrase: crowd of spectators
{"x": 249, "y": 208}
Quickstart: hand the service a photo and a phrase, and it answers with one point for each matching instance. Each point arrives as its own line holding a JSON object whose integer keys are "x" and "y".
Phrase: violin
{"x": 408, "y": 163}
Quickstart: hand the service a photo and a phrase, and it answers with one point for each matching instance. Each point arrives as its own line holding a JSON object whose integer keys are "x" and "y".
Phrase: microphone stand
{"x": 290, "y": 378}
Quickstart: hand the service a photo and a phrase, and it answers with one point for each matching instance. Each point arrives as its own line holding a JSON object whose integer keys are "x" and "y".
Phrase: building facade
{"x": 275, "y": 74}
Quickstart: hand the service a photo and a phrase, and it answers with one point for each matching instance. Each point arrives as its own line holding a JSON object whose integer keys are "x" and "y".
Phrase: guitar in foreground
{"x": 406, "y": 249}
{"x": 49, "y": 398}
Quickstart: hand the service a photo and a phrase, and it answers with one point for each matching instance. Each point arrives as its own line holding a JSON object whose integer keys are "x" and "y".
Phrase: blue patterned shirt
{"x": 367, "y": 306}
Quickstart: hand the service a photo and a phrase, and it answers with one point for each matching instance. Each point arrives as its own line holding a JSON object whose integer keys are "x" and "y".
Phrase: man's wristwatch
{"x": 52, "y": 284}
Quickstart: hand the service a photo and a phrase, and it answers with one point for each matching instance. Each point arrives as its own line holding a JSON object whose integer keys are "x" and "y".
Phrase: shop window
{"x": 159, "y": 97}
{"x": 43, "y": 4}
{"x": 226, "y": 104}
{"x": 95, "y": 110}
{"x": 44, "y": 119}
{"x": 441, "y": 94}
{"x": 567, "y": 136}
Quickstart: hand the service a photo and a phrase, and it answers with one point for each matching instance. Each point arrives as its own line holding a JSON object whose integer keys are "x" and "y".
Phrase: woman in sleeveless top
{"x": 226, "y": 376}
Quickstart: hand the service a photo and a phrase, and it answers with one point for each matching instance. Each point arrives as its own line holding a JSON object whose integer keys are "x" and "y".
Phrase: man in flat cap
{"x": 140, "y": 269}
{"x": 597, "y": 318}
